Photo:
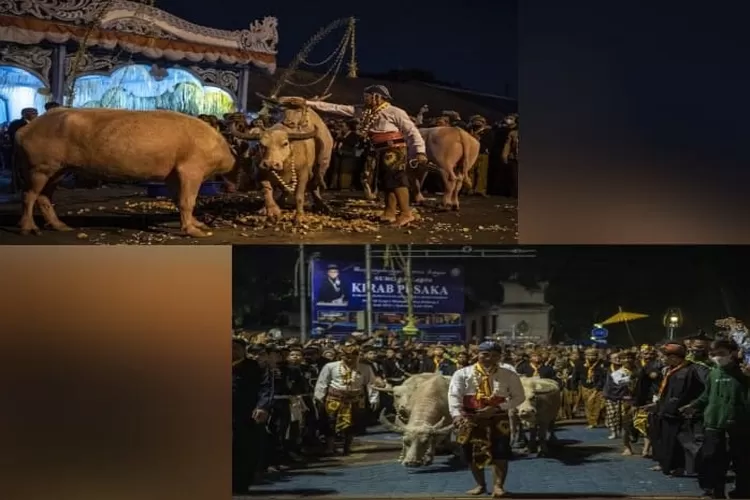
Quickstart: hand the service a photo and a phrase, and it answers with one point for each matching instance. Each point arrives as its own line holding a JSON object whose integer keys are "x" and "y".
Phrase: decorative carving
{"x": 222, "y": 78}
{"x": 262, "y": 36}
{"x": 138, "y": 27}
{"x": 90, "y": 63}
{"x": 33, "y": 58}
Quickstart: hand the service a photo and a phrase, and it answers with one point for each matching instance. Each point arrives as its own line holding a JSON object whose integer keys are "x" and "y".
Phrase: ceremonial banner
{"x": 339, "y": 300}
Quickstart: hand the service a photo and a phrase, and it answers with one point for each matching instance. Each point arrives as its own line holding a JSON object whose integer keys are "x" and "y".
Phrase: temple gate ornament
{"x": 223, "y": 78}
{"x": 91, "y": 63}
{"x": 262, "y": 36}
{"x": 36, "y": 59}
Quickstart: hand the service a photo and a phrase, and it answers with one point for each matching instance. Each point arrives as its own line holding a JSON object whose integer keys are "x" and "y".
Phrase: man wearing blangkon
{"x": 391, "y": 134}
{"x": 480, "y": 397}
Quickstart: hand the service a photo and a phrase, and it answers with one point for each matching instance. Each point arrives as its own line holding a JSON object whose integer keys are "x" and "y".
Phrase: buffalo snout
{"x": 272, "y": 165}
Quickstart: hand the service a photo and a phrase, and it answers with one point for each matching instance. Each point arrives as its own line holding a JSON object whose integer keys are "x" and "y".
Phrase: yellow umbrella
{"x": 623, "y": 317}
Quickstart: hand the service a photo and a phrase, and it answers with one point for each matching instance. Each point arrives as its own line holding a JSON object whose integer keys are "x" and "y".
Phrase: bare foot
{"x": 404, "y": 219}
{"x": 498, "y": 492}
{"x": 655, "y": 468}
{"x": 387, "y": 217}
{"x": 62, "y": 227}
{"x": 299, "y": 218}
{"x": 418, "y": 199}
{"x": 478, "y": 490}
{"x": 627, "y": 452}
{"x": 201, "y": 225}
{"x": 194, "y": 232}
{"x": 31, "y": 229}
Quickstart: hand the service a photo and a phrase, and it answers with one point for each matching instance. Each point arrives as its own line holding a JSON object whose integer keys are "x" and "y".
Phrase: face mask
{"x": 722, "y": 360}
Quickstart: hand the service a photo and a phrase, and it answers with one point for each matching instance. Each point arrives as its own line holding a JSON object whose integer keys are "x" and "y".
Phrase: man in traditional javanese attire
{"x": 343, "y": 390}
{"x": 572, "y": 384}
{"x": 536, "y": 368}
{"x": 649, "y": 379}
{"x": 437, "y": 362}
{"x": 619, "y": 394}
{"x": 698, "y": 350}
{"x": 390, "y": 134}
{"x": 672, "y": 434}
{"x": 480, "y": 397}
{"x": 594, "y": 375}
{"x": 252, "y": 391}
{"x": 483, "y": 133}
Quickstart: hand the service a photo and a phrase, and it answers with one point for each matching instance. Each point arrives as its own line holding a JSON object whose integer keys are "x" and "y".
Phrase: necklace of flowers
{"x": 289, "y": 188}
{"x": 347, "y": 374}
{"x": 369, "y": 116}
{"x": 478, "y": 377}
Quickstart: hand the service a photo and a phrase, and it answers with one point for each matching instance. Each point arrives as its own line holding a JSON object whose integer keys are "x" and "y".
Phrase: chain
{"x": 352, "y": 49}
{"x": 332, "y": 71}
{"x": 305, "y": 52}
{"x": 336, "y": 51}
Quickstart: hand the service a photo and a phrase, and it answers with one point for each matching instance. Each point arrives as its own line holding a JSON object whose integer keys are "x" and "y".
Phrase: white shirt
{"x": 505, "y": 383}
{"x": 330, "y": 376}
{"x": 390, "y": 119}
{"x": 507, "y": 367}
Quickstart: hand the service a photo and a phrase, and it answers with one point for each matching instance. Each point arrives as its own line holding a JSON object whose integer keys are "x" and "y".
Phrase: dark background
{"x": 634, "y": 117}
{"x": 587, "y": 284}
{"x": 473, "y": 43}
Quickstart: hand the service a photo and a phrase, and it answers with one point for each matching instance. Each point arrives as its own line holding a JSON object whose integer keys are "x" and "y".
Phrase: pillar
{"x": 57, "y": 79}
{"x": 242, "y": 91}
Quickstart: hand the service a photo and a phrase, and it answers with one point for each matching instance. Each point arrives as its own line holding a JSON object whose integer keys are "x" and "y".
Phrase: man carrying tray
{"x": 480, "y": 397}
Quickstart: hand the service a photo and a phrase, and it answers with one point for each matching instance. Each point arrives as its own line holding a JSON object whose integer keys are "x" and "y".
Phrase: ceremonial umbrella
{"x": 624, "y": 317}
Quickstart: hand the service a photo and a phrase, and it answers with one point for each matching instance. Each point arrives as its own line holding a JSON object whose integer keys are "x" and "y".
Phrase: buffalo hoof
{"x": 273, "y": 213}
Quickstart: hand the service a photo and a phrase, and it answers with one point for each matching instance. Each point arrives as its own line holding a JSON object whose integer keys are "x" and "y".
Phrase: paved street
{"x": 586, "y": 465}
{"x": 123, "y": 215}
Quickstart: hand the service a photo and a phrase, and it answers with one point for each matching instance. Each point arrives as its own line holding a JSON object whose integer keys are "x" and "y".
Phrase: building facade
{"x": 523, "y": 316}
{"x": 137, "y": 57}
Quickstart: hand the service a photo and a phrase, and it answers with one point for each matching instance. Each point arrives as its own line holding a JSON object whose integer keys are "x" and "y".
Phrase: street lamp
{"x": 672, "y": 321}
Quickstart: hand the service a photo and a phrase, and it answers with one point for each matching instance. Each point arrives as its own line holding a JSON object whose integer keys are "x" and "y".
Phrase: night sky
{"x": 587, "y": 284}
{"x": 478, "y": 49}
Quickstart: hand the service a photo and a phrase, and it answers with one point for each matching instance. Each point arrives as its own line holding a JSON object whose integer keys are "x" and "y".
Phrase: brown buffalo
{"x": 285, "y": 161}
{"x": 178, "y": 149}
{"x": 299, "y": 118}
{"x": 448, "y": 148}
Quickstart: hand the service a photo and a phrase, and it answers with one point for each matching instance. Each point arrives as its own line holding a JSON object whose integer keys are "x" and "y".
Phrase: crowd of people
{"x": 495, "y": 173}
{"x": 682, "y": 405}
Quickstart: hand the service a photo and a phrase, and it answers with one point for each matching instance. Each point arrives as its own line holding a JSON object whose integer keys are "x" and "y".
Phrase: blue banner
{"x": 339, "y": 300}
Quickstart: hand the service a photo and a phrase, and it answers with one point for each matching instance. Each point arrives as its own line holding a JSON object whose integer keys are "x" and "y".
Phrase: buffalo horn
{"x": 301, "y": 136}
{"x": 272, "y": 100}
{"x": 395, "y": 426}
{"x": 254, "y": 135}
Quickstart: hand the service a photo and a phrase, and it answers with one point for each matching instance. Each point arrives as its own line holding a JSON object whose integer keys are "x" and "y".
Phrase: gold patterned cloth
{"x": 593, "y": 404}
{"x": 481, "y": 172}
{"x": 340, "y": 408}
{"x": 485, "y": 440}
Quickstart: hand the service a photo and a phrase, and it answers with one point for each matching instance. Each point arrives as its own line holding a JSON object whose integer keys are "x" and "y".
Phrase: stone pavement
{"x": 586, "y": 465}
